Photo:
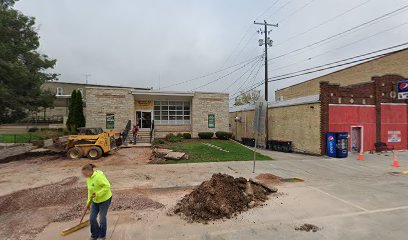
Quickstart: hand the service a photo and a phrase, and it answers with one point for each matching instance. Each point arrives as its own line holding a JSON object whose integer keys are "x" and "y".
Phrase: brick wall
{"x": 162, "y": 130}
{"x": 102, "y": 101}
{"x": 298, "y": 123}
{"x": 395, "y": 63}
{"x": 379, "y": 90}
{"x": 209, "y": 103}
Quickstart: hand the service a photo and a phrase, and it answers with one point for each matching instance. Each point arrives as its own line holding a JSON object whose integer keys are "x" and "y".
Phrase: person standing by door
{"x": 135, "y": 132}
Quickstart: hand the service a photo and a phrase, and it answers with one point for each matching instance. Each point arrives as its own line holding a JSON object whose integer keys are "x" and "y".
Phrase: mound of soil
{"x": 35, "y": 208}
{"x": 307, "y": 227}
{"x": 223, "y": 196}
{"x": 269, "y": 178}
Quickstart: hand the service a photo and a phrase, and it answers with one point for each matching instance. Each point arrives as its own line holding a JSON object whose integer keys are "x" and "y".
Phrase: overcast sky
{"x": 159, "y": 43}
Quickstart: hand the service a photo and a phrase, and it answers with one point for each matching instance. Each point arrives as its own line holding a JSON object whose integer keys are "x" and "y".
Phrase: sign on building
{"x": 403, "y": 89}
{"x": 144, "y": 105}
{"x": 110, "y": 121}
{"x": 394, "y": 136}
{"x": 211, "y": 121}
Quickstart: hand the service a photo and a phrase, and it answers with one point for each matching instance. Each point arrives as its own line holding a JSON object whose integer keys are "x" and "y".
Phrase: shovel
{"x": 77, "y": 227}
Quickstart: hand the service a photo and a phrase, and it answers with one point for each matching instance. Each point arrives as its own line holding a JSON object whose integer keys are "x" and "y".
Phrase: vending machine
{"x": 342, "y": 145}
{"x": 337, "y": 144}
{"x": 331, "y": 144}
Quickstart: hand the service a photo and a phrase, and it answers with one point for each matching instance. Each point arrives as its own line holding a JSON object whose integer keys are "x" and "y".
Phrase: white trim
{"x": 351, "y": 105}
{"x": 401, "y": 104}
{"x": 163, "y": 93}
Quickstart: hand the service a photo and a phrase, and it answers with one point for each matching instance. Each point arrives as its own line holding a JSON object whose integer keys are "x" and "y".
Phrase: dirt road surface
{"x": 344, "y": 198}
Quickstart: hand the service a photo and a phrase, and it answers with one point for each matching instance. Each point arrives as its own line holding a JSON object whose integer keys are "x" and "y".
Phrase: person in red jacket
{"x": 135, "y": 133}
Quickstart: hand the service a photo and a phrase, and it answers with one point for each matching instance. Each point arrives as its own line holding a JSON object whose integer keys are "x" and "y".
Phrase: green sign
{"x": 110, "y": 121}
{"x": 211, "y": 121}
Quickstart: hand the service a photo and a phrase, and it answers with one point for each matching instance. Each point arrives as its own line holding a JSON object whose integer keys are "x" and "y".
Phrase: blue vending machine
{"x": 341, "y": 144}
{"x": 331, "y": 144}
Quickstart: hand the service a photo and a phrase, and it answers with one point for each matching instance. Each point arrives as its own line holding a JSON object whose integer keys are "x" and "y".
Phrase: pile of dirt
{"x": 35, "y": 208}
{"x": 223, "y": 196}
{"x": 33, "y": 155}
{"x": 307, "y": 227}
{"x": 269, "y": 178}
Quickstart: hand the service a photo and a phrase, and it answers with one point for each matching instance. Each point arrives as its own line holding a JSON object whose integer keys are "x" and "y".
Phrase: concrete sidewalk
{"x": 348, "y": 199}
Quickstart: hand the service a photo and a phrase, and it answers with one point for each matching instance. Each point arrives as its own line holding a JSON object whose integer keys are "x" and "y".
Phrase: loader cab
{"x": 89, "y": 131}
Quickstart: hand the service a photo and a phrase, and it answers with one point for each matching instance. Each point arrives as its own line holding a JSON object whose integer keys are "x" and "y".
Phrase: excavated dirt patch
{"x": 269, "y": 178}
{"x": 223, "y": 196}
{"x": 33, "y": 209}
{"x": 307, "y": 227}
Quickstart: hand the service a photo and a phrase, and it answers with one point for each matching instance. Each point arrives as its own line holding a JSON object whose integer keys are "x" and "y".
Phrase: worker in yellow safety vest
{"x": 99, "y": 200}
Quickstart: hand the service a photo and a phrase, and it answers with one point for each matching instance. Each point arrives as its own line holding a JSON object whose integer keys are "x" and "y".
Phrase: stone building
{"x": 165, "y": 112}
{"x": 360, "y": 100}
{"x": 63, "y": 92}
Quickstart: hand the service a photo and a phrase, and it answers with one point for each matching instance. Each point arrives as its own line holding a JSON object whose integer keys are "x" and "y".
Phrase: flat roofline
{"x": 344, "y": 69}
{"x": 98, "y": 85}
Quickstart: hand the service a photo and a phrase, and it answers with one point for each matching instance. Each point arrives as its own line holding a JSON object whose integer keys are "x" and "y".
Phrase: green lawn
{"x": 19, "y": 137}
{"x": 199, "y": 152}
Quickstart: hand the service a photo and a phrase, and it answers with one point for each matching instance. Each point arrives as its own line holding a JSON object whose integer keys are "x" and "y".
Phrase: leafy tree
{"x": 247, "y": 97}
{"x": 76, "y": 116}
{"x": 22, "y": 69}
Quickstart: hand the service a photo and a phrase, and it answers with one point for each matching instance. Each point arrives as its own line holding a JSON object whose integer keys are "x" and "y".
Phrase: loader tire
{"x": 75, "y": 153}
{"x": 94, "y": 153}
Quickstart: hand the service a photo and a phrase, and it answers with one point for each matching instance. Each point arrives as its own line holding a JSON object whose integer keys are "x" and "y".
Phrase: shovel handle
{"x": 83, "y": 215}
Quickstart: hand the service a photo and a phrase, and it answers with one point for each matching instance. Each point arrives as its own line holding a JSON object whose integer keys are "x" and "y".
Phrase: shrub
{"x": 223, "y": 135}
{"x": 173, "y": 138}
{"x": 179, "y": 135}
{"x": 158, "y": 142}
{"x": 205, "y": 135}
{"x": 186, "y": 135}
{"x": 33, "y": 129}
{"x": 169, "y": 136}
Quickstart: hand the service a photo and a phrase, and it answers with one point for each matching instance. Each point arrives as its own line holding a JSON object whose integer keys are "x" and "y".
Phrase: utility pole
{"x": 87, "y": 75}
{"x": 267, "y": 42}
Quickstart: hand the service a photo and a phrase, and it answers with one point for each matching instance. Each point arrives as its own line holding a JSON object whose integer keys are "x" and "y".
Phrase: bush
{"x": 173, "y": 138}
{"x": 186, "y": 135}
{"x": 223, "y": 135}
{"x": 169, "y": 136}
{"x": 179, "y": 135}
{"x": 205, "y": 135}
{"x": 158, "y": 142}
{"x": 33, "y": 129}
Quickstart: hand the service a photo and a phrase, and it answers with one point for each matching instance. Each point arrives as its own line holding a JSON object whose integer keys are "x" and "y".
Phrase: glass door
{"x": 144, "y": 119}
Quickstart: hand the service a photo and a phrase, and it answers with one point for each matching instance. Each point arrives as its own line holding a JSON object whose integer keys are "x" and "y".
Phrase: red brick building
{"x": 370, "y": 112}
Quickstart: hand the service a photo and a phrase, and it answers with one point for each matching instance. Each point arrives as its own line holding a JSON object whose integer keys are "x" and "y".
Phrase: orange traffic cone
{"x": 360, "y": 157}
{"x": 395, "y": 162}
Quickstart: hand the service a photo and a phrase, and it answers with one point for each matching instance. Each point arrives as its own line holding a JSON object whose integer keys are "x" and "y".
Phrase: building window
{"x": 172, "y": 112}
{"x": 60, "y": 91}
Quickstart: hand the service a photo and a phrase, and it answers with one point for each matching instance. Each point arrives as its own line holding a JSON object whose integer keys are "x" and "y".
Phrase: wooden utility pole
{"x": 267, "y": 41}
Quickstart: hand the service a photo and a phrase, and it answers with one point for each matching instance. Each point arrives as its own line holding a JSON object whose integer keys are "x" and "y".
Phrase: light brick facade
{"x": 103, "y": 101}
{"x": 122, "y": 103}
{"x": 292, "y": 123}
{"x": 204, "y": 104}
{"x": 395, "y": 63}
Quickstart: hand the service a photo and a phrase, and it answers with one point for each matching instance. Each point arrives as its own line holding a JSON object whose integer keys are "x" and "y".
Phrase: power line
{"x": 344, "y": 32}
{"x": 226, "y": 75}
{"x": 343, "y": 46}
{"x": 296, "y": 11}
{"x": 279, "y": 78}
{"x": 212, "y": 73}
{"x": 253, "y": 78}
{"x": 249, "y": 69}
{"x": 324, "y": 22}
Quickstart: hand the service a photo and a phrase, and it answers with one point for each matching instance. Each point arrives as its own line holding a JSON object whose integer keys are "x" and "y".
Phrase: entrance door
{"x": 144, "y": 119}
{"x": 356, "y": 139}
